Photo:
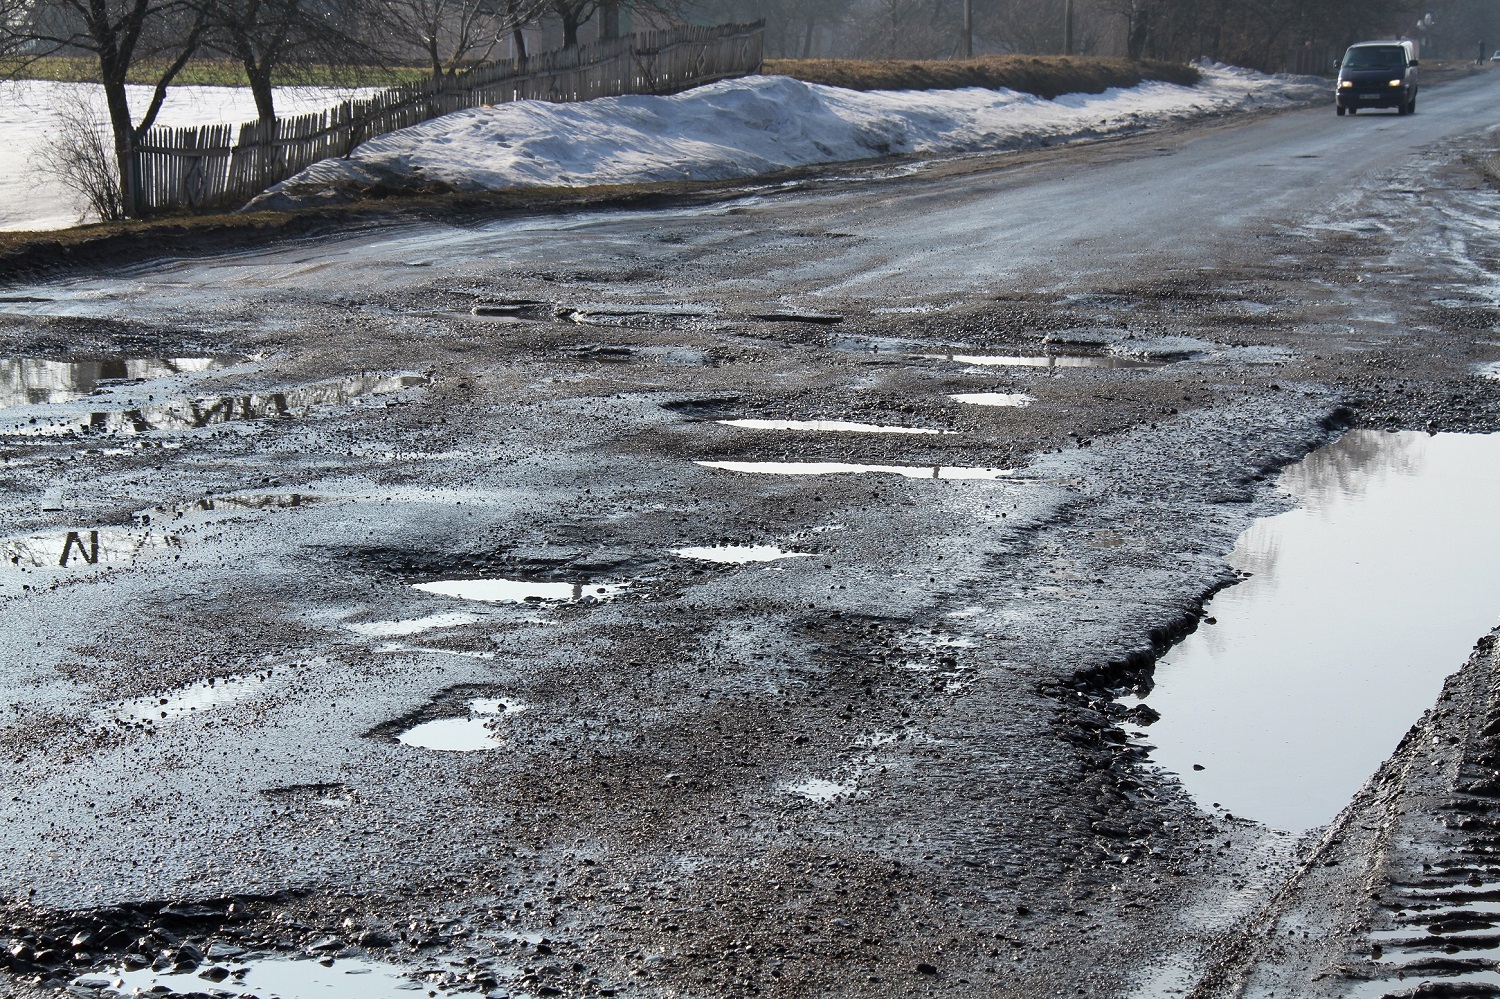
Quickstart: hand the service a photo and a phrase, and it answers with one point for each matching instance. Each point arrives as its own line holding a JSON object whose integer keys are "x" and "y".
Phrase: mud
{"x": 897, "y": 766}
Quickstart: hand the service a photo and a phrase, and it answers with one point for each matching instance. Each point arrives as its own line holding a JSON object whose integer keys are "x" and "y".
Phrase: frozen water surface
{"x": 1360, "y": 602}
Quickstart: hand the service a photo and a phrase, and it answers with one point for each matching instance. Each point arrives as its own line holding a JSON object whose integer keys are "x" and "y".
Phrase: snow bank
{"x": 752, "y": 127}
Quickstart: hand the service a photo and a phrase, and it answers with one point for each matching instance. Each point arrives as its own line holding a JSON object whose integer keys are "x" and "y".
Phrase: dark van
{"x": 1377, "y": 75}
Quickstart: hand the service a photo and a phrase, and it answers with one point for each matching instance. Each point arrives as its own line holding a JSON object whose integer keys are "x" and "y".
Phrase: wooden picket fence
{"x": 214, "y": 167}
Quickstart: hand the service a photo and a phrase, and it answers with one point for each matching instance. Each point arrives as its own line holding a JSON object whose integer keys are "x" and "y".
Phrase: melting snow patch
{"x": 752, "y": 127}
{"x": 1491, "y": 370}
{"x": 400, "y": 629}
{"x": 823, "y": 791}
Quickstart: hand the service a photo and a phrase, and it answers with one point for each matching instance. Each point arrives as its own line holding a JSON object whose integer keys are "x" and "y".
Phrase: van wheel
{"x": 1338, "y": 111}
{"x": 1412, "y": 105}
{"x": 1405, "y": 108}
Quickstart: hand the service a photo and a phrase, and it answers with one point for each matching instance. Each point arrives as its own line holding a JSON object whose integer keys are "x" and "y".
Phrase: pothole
{"x": 1049, "y": 360}
{"x": 413, "y": 626}
{"x": 473, "y": 733}
{"x": 266, "y": 978}
{"x": 738, "y": 554}
{"x": 828, "y": 427}
{"x": 1015, "y": 400}
{"x": 822, "y": 791}
{"x": 522, "y": 591}
{"x": 195, "y": 699}
{"x": 1351, "y": 611}
{"x": 845, "y": 468}
{"x": 196, "y": 414}
{"x": 32, "y": 381}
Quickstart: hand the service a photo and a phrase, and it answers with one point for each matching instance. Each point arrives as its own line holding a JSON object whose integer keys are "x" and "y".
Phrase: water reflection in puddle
{"x": 273, "y": 979}
{"x": 1044, "y": 360}
{"x": 738, "y": 554}
{"x": 1491, "y": 370}
{"x": 1016, "y": 400}
{"x": 828, "y": 427}
{"x": 841, "y": 468}
{"x": 195, "y": 414}
{"x": 463, "y": 735}
{"x": 1361, "y": 601}
{"x": 520, "y": 591}
{"x": 30, "y": 381}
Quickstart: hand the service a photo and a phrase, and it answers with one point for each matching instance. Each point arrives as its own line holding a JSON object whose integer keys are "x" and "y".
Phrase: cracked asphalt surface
{"x": 895, "y": 767}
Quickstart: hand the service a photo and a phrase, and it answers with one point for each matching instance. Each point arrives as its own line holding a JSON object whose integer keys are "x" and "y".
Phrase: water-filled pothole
{"x": 846, "y": 468}
{"x": 266, "y": 978}
{"x": 473, "y": 733}
{"x": 30, "y": 381}
{"x": 523, "y": 591}
{"x": 828, "y": 427}
{"x": 738, "y": 554}
{"x": 1050, "y": 360}
{"x": 1015, "y": 400}
{"x": 1306, "y": 674}
{"x": 198, "y": 698}
{"x": 196, "y": 414}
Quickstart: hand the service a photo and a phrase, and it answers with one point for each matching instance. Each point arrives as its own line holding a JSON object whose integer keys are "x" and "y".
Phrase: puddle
{"x": 821, "y": 791}
{"x": 270, "y": 979}
{"x": 843, "y": 468}
{"x": 78, "y": 549}
{"x": 30, "y": 381}
{"x": 828, "y": 427}
{"x": 1017, "y": 400}
{"x": 463, "y": 735}
{"x": 195, "y": 414}
{"x": 738, "y": 554}
{"x": 1044, "y": 360}
{"x": 415, "y": 626}
{"x": 520, "y": 591}
{"x": 1361, "y": 601}
{"x": 1491, "y": 370}
{"x": 194, "y": 699}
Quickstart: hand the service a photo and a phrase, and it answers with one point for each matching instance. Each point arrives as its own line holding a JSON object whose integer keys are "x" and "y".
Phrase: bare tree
{"x": 78, "y": 153}
{"x": 123, "y": 35}
{"x": 277, "y": 38}
{"x": 453, "y": 34}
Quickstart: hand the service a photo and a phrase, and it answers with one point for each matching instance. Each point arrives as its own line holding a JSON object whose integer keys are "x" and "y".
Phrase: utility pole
{"x": 968, "y": 29}
{"x": 1067, "y": 27}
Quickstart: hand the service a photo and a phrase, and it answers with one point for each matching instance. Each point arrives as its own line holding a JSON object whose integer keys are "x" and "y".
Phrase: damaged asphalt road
{"x": 235, "y": 577}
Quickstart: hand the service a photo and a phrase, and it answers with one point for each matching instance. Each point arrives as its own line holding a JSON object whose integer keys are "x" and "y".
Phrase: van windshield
{"x": 1375, "y": 57}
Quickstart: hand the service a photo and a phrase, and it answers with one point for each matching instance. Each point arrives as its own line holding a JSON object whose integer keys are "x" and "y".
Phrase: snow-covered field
{"x": 752, "y": 127}
{"x": 32, "y": 111}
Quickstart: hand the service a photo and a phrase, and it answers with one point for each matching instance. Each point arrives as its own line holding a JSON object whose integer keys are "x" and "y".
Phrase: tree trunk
{"x": 122, "y": 130}
{"x": 609, "y": 20}
{"x": 1140, "y": 31}
{"x": 807, "y": 39}
{"x": 519, "y": 38}
{"x": 571, "y": 24}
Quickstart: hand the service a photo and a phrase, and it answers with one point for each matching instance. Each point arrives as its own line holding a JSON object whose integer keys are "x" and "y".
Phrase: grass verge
{"x": 209, "y": 73}
{"x": 1044, "y": 76}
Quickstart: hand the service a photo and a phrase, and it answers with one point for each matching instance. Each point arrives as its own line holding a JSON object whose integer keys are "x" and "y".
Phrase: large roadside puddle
{"x": 266, "y": 979}
{"x": 30, "y": 381}
{"x": 1357, "y": 604}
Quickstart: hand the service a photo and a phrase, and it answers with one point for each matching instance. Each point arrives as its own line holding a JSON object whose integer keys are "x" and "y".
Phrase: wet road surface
{"x": 267, "y": 613}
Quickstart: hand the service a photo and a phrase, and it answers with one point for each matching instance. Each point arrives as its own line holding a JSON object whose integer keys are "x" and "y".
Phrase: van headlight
{"x": 1395, "y": 83}
{"x": 1345, "y": 84}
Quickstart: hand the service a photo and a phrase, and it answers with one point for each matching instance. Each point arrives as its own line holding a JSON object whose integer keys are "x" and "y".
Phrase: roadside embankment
{"x": 1048, "y": 77}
